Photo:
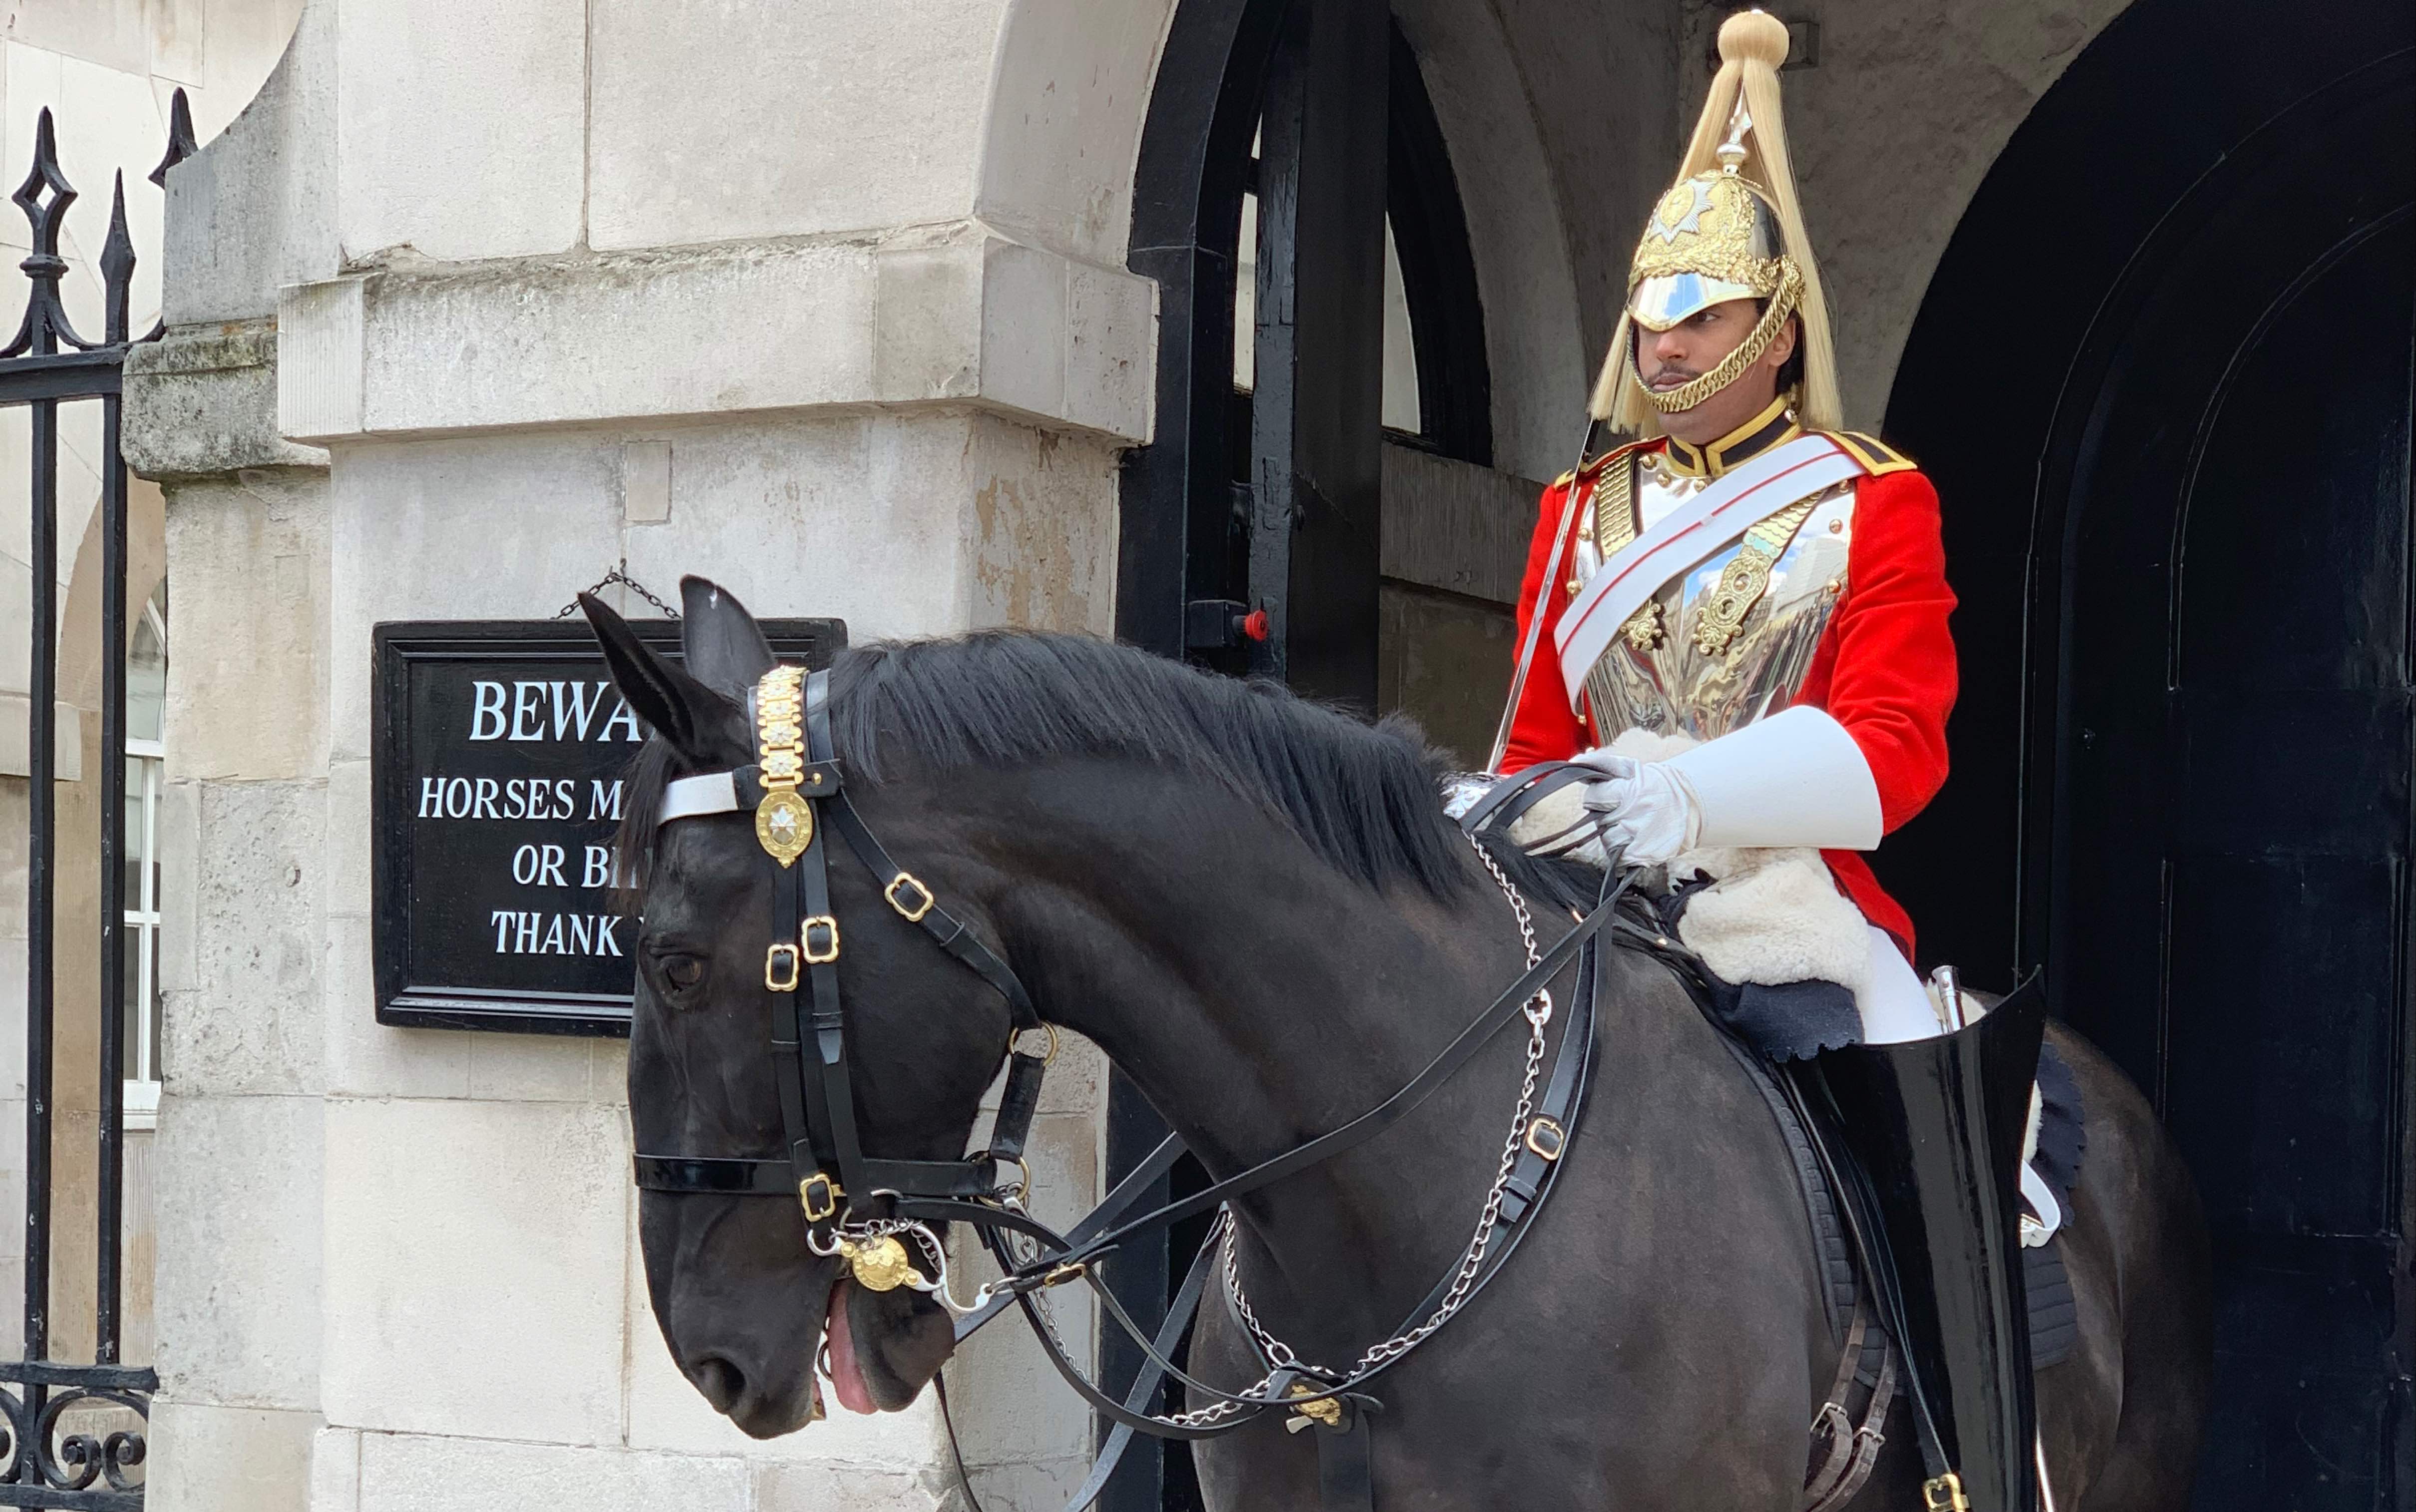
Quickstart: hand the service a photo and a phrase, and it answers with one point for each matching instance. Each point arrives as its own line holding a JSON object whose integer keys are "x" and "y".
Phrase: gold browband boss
{"x": 784, "y": 823}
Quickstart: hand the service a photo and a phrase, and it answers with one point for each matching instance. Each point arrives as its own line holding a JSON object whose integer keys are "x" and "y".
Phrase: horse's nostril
{"x": 718, "y": 1380}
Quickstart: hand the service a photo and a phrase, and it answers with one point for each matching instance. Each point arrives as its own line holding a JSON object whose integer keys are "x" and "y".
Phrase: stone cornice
{"x": 956, "y": 315}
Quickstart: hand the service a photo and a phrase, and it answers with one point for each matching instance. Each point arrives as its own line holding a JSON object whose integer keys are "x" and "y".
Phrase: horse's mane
{"x": 1362, "y": 796}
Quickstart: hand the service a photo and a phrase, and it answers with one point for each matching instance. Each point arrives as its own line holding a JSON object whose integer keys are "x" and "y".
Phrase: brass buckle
{"x": 827, "y": 951}
{"x": 772, "y": 955}
{"x": 907, "y": 879}
{"x": 1546, "y": 1137}
{"x": 1072, "y": 1271}
{"x": 821, "y": 1195}
{"x": 1946, "y": 1494}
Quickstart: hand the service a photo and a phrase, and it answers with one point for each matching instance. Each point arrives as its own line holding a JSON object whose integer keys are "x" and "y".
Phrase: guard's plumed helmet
{"x": 1729, "y": 228}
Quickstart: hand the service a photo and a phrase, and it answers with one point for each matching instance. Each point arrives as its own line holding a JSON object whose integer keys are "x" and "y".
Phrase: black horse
{"x": 1257, "y": 908}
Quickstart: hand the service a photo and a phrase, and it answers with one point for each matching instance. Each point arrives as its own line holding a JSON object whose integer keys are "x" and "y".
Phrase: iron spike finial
{"x": 181, "y": 144}
{"x": 117, "y": 266}
{"x": 45, "y": 323}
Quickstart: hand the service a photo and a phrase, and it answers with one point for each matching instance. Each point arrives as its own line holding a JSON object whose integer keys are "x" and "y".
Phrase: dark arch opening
{"x": 2163, "y": 378}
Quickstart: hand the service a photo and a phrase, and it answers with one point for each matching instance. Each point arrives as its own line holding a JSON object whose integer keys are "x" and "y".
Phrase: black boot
{"x": 1936, "y": 1127}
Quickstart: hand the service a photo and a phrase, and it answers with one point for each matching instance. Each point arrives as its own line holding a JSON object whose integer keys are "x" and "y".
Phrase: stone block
{"x": 460, "y": 127}
{"x": 899, "y": 96}
{"x": 201, "y": 401}
{"x": 250, "y": 1020}
{"x": 475, "y": 1271}
{"x": 236, "y": 1209}
{"x": 205, "y": 1458}
{"x": 1029, "y": 1486}
{"x": 251, "y": 581}
{"x": 344, "y": 870}
{"x": 1041, "y": 527}
{"x": 801, "y": 516}
{"x": 1070, "y": 90}
{"x": 411, "y": 1473}
{"x": 539, "y": 516}
{"x": 336, "y": 1471}
{"x": 913, "y": 317}
{"x": 255, "y": 209}
{"x": 530, "y": 1068}
{"x": 365, "y": 1058}
{"x": 812, "y": 1486}
{"x": 179, "y": 836}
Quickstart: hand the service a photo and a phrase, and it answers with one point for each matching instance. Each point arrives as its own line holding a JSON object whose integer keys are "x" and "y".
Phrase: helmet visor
{"x": 1663, "y": 300}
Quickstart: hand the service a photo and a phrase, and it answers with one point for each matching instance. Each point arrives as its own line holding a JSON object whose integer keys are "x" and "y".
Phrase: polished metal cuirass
{"x": 1659, "y": 674}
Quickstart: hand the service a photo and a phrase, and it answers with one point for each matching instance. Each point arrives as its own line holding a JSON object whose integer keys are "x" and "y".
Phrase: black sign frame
{"x": 435, "y": 995}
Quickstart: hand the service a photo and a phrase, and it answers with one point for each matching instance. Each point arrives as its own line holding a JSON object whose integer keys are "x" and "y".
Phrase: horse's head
{"x": 743, "y": 1302}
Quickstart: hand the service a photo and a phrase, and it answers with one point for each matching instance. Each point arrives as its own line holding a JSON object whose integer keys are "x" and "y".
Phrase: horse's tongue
{"x": 847, "y": 1376}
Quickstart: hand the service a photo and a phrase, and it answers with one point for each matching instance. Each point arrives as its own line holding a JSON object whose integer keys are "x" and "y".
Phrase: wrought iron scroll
{"x": 44, "y": 1460}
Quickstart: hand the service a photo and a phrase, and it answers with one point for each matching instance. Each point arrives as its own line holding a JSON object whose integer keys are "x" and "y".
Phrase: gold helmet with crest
{"x": 1729, "y": 228}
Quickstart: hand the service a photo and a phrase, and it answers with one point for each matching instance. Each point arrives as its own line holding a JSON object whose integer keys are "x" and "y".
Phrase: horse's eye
{"x": 679, "y": 973}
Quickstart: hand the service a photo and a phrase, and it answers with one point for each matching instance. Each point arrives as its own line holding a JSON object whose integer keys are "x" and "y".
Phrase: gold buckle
{"x": 771, "y": 959}
{"x": 1065, "y": 1272}
{"x": 907, "y": 879}
{"x": 828, "y": 951}
{"x": 1546, "y": 1137}
{"x": 1946, "y": 1494}
{"x": 821, "y": 1195}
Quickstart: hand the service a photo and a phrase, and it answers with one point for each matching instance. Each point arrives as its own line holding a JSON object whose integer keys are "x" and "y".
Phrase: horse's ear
{"x": 702, "y": 724}
{"x": 725, "y": 650}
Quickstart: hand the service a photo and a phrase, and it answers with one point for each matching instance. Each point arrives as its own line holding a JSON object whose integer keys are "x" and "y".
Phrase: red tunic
{"x": 1885, "y": 669}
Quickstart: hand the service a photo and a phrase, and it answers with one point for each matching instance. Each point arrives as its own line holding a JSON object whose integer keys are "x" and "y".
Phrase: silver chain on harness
{"x": 1539, "y": 1015}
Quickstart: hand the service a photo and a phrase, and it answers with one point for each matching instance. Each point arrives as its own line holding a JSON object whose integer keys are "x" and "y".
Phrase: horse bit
{"x": 864, "y": 1210}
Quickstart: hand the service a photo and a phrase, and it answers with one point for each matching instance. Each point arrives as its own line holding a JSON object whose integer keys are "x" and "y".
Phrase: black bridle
{"x": 852, "y": 1201}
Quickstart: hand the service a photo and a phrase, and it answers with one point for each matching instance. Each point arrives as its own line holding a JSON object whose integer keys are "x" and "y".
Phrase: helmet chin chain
{"x": 1693, "y": 392}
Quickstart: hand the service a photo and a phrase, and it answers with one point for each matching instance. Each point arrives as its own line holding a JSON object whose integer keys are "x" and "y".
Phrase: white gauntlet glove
{"x": 1647, "y": 810}
{"x": 1795, "y": 778}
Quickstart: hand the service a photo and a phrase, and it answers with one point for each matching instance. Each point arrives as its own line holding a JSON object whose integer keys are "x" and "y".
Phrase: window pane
{"x": 146, "y": 669}
{"x": 1246, "y": 296}
{"x": 132, "y": 1009}
{"x": 1400, "y": 410}
{"x": 133, "y": 858}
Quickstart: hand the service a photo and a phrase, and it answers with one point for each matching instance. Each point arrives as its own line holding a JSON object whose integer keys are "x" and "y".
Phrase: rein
{"x": 867, "y": 1210}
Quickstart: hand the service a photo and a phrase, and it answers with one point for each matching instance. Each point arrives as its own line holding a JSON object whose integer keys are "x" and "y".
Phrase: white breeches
{"x": 1895, "y": 1004}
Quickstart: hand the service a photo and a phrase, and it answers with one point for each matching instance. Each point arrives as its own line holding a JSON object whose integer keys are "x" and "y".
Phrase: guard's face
{"x": 1695, "y": 346}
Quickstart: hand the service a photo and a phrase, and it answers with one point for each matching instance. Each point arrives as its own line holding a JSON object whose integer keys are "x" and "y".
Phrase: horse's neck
{"x": 1257, "y": 998}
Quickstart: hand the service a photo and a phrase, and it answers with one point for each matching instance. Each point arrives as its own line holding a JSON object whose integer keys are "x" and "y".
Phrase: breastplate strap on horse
{"x": 852, "y": 1201}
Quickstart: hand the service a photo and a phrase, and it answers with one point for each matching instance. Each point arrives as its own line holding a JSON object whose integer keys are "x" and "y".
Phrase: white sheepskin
{"x": 1772, "y": 916}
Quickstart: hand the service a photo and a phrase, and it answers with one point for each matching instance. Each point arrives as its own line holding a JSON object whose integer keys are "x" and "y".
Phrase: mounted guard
{"x": 1740, "y": 620}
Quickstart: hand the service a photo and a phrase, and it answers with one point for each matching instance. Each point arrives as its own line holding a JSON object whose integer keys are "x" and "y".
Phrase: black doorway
{"x": 2164, "y": 376}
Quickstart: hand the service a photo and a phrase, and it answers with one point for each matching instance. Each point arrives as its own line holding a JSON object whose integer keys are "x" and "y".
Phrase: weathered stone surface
{"x": 899, "y": 96}
{"x": 201, "y": 401}
{"x": 249, "y": 1021}
{"x": 336, "y": 1470}
{"x": 251, "y": 561}
{"x": 1057, "y": 161}
{"x": 205, "y": 1458}
{"x": 365, "y": 1058}
{"x": 255, "y": 209}
{"x": 475, "y": 1271}
{"x": 1041, "y": 526}
{"x": 814, "y": 1486}
{"x": 943, "y": 314}
{"x": 460, "y": 127}
{"x": 237, "y": 1215}
{"x": 407, "y": 1473}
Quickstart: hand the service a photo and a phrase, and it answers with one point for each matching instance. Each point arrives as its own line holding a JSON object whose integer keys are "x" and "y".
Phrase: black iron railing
{"x": 48, "y": 364}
